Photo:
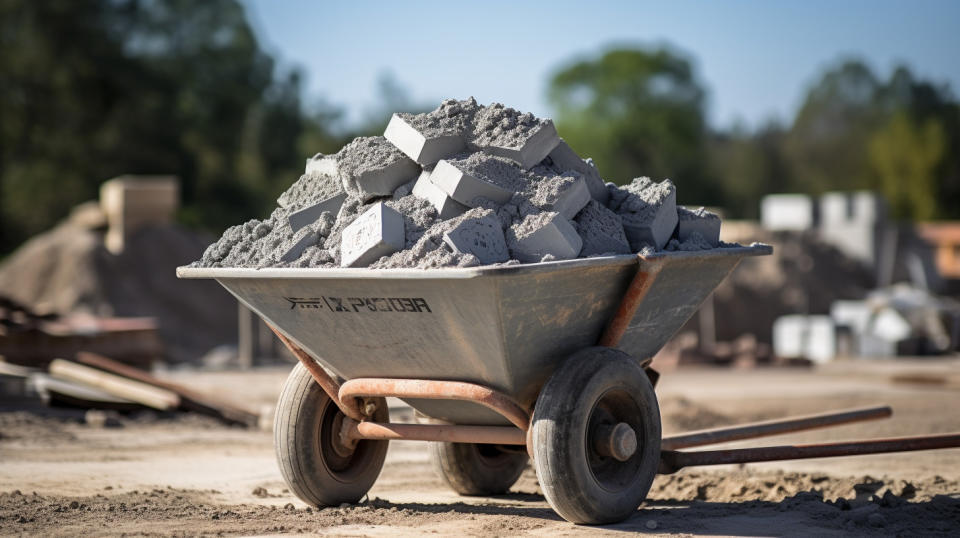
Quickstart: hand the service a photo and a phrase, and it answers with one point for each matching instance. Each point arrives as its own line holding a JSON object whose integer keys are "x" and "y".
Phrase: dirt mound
{"x": 687, "y": 503}
{"x": 804, "y": 275}
{"x": 68, "y": 270}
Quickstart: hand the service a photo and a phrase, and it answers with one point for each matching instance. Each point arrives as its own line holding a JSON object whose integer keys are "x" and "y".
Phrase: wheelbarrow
{"x": 549, "y": 361}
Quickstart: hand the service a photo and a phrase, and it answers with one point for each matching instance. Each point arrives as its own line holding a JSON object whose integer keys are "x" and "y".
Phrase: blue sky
{"x": 756, "y": 58}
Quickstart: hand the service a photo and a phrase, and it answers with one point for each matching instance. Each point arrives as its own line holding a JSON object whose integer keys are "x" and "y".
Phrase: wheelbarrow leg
{"x": 327, "y": 383}
{"x": 637, "y": 290}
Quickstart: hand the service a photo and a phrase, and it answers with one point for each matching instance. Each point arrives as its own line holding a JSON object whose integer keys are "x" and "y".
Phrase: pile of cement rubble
{"x": 463, "y": 185}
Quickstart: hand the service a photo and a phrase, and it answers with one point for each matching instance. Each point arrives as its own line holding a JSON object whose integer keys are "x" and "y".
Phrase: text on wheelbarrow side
{"x": 360, "y": 304}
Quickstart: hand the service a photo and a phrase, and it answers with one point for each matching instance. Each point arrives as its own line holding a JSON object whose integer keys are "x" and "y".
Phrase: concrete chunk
{"x": 543, "y": 234}
{"x": 310, "y": 214}
{"x": 563, "y": 158}
{"x": 701, "y": 221}
{"x": 465, "y": 187}
{"x": 446, "y": 207}
{"x": 504, "y": 132}
{"x": 564, "y": 194}
{"x": 376, "y": 233}
{"x": 601, "y": 231}
{"x": 321, "y": 164}
{"x": 417, "y": 145}
{"x": 312, "y": 188}
{"x": 303, "y": 239}
{"x": 478, "y": 233}
{"x": 371, "y": 166}
{"x": 648, "y": 210}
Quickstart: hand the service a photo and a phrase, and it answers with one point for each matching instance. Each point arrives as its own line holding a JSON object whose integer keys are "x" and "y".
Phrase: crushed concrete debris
{"x": 601, "y": 230}
{"x": 460, "y": 186}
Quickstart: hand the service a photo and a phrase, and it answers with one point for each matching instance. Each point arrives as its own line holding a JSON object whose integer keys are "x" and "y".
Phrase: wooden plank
{"x": 115, "y": 385}
{"x": 189, "y": 399}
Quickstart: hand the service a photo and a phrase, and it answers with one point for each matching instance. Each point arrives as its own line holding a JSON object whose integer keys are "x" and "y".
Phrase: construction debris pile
{"x": 94, "y": 382}
{"x": 105, "y": 268}
{"x": 463, "y": 185}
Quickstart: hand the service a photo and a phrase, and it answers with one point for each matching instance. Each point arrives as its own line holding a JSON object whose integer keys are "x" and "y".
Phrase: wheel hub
{"x": 617, "y": 441}
{"x": 340, "y": 443}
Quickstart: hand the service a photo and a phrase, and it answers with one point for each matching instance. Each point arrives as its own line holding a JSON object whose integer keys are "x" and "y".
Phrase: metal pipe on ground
{"x": 673, "y": 460}
{"x": 434, "y": 390}
{"x": 773, "y": 427}
{"x": 497, "y": 435}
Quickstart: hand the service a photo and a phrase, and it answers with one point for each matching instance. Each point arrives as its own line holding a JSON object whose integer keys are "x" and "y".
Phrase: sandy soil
{"x": 154, "y": 475}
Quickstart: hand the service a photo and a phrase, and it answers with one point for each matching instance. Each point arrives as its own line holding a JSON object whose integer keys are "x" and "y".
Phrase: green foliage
{"x": 748, "y": 166}
{"x": 91, "y": 89}
{"x": 855, "y": 131}
{"x": 826, "y": 144}
{"x": 905, "y": 156}
{"x": 636, "y": 112}
{"x": 640, "y": 112}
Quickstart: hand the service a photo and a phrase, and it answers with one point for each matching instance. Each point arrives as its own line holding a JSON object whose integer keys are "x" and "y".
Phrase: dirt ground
{"x": 155, "y": 475}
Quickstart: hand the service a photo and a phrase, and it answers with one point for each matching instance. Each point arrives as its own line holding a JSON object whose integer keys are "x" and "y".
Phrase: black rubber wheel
{"x": 319, "y": 468}
{"x": 477, "y": 469}
{"x": 594, "y": 391}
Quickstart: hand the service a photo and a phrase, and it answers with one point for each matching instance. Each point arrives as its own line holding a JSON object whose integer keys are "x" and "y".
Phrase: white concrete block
{"x": 376, "y": 233}
{"x": 809, "y": 337}
{"x": 303, "y": 239}
{"x": 446, "y": 207}
{"x": 310, "y": 214}
{"x": 132, "y": 202}
{"x": 531, "y": 150}
{"x": 466, "y": 188}
{"x": 382, "y": 181}
{"x": 419, "y": 147}
{"x": 563, "y": 158}
{"x": 853, "y": 314}
{"x": 545, "y": 233}
{"x": 565, "y": 195}
{"x": 890, "y": 324}
{"x": 649, "y": 213}
{"x": 786, "y": 212}
{"x": 699, "y": 220}
{"x": 322, "y": 164}
{"x": 479, "y": 235}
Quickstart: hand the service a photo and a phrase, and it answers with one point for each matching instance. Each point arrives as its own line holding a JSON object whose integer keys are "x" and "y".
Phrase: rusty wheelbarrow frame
{"x": 512, "y": 404}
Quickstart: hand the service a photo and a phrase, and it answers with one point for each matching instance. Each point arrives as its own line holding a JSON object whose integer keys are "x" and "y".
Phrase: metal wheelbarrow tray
{"x": 549, "y": 360}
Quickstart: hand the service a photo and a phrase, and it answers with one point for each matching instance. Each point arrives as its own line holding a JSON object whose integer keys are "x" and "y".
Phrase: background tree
{"x": 636, "y": 112}
{"x": 91, "y": 89}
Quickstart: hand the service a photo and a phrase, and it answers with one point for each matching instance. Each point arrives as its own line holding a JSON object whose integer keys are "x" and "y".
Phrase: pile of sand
{"x": 68, "y": 270}
{"x": 529, "y": 198}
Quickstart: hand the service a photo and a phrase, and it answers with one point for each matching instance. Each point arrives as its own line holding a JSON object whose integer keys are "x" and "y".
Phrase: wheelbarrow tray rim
{"x": 756, "y": 249}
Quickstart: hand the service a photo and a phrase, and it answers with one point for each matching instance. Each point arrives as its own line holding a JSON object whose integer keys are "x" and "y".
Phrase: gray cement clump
{"x": 452, "y": 117}
{"x": 500, "y": 170}
{"x": 601, "y": 230}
